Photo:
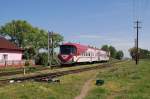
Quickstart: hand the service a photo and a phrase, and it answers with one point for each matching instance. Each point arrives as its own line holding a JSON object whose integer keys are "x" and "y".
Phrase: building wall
{"x": 11, "y": 56}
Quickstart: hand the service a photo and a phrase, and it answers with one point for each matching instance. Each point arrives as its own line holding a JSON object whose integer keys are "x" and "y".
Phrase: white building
{"x": 10, "y": 54}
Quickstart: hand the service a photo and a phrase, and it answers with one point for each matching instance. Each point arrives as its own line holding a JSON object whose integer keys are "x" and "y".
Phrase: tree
{"x": 119, "y": 55}
{"x": 133, "y": 52}
{"x": 41, "y": 59}
{"x": 143, "y": 53}
{"x": 57, "y": 39}
{"x": 24, "y": 35}
{"x": 112, "y": 51}
{"x": 105, "y": 48}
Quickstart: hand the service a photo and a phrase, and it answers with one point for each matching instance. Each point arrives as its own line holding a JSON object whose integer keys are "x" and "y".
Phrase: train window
{"x": 82, "y": 54}
{"x": 67, "y": 49}
{"x": 86, "y": 54}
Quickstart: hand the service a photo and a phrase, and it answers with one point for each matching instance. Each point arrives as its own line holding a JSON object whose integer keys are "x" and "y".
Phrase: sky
{"x": 89, "y": 22}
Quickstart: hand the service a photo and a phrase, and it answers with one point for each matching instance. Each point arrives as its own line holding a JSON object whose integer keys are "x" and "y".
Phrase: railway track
{"x": 58, "y": 74}
{"x": 28, "y": 70}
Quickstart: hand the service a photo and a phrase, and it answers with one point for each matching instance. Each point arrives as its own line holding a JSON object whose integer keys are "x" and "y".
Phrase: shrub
{"x": 41, "y": 59}
{"x": 27, "y": 63}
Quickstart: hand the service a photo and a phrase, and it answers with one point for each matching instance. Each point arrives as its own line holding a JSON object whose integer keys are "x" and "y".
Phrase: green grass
{"x": 68, "y": 88}
{"x": 123, "y": 81}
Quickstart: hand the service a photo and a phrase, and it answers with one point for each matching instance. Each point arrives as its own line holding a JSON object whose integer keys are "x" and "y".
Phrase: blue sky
{"x": 90, "y": 22}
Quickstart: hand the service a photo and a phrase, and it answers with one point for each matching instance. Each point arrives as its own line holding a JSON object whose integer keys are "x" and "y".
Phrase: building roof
{"x": 7, "y": 45}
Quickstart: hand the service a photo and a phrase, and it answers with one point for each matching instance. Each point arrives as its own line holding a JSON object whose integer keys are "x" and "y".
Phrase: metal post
{"x": 24, "y": 70}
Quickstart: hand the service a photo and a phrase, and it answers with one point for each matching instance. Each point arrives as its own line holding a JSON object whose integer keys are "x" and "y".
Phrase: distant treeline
{"x": 113, "y": 52}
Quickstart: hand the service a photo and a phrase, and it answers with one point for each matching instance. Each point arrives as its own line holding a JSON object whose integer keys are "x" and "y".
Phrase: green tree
{"x": 105, "y": 47}
{"x": 119, "y": 55}
{"x": 142, "y": 53}
{"x": 133, "y": 52}
{"x": 28, "y": 37}
{"x": 41, "y": 59}
{"x": 112, "y": 51}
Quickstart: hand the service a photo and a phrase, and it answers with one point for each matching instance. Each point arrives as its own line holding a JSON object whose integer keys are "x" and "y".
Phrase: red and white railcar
{"x": 76, "y": 53}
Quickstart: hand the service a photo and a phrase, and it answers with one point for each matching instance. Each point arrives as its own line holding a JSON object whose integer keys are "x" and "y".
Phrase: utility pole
{"x": 137, "y": 41}
{"x": 50, "y": 48}
{"x": 49, "y": 52}
{"x": 52, "y": 43}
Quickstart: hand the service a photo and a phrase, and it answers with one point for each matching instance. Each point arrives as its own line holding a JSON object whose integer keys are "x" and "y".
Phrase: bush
{"x": 41, "y": 59}
{"x": 32, "y": 69}
{"x": 119, "y": 55}
{"x": 27, "y": 63}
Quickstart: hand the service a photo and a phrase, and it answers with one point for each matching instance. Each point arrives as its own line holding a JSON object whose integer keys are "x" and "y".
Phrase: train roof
{"x": 80, "y": 46}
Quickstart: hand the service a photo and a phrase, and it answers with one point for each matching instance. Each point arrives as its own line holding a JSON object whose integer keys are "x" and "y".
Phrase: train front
{"x": 67, "y": 52}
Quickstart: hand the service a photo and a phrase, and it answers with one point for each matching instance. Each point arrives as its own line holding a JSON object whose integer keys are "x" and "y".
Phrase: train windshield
{"x": 67, "y": 49}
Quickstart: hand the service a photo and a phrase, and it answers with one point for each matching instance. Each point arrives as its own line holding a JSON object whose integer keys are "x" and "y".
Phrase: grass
{"x": 123, "y": 81}
{"x": 68, "y": 88}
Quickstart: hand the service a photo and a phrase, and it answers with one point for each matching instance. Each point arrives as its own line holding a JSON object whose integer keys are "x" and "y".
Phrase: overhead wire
{"x": 140, "y": 8}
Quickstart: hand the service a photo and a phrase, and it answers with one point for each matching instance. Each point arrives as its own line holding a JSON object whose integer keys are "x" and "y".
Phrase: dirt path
{"x": 86, "y": 87}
